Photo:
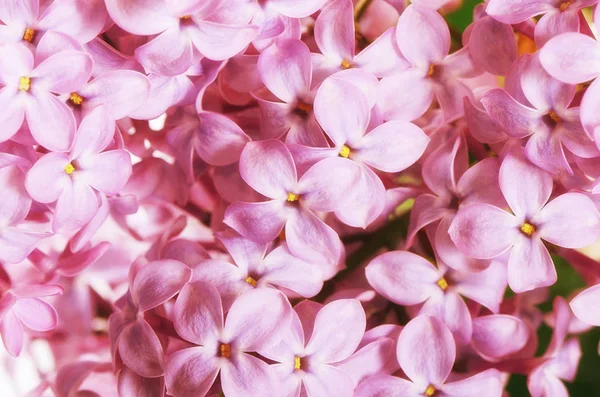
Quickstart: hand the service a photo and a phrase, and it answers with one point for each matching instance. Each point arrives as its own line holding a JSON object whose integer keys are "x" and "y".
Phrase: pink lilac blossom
{"x": 281, "y": 198}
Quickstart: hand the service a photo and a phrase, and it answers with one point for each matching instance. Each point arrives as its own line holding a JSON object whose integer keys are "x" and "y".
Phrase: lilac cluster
{"x": 295, "y": 198}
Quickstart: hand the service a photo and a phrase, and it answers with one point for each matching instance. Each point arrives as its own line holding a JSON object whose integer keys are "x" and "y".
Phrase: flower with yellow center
{"x": 297, "y": 363}
{"x": 292, "y": 197}
{"x": 528, "y": 229}
{"x": 565, "y": 4}
{"x": 251, "y": 281}
{"x": 346, "y": 64}
{"x": 442, "y": 283}
{"x": 429, "y": 391}
{"x": 431, "y": 70}
{"x": 344, "y": 152}
{"x": 225, "y": 350}
{"x": 24, "y": 83}
{"x": 554, "y": 117}
{"x": 76, "y": 99}
{"x": 69, "y": 168}
{"x": 29, "y": 35}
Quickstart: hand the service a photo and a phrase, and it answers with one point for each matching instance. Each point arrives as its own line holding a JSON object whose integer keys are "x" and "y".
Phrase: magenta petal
{"x": 392, "y": 146}
{"x": 157, "y": 282}
{"x": 334, "y": 31}
{"x": 36, "y": 314}
{"x": 483, "y": 231}
{"x": 261, "y": 222}
{"x": 571, "y": 57}
{"x": 500, "y": 335}
{"x": 198, "y": 313}
{"x": 219, "y": 42}
{"x": 341, "y": 317}
{"x": 141, "y": 350}
{"x": 525, "y": 187}
{"x": 516, "y": 119}
{"x": 426, "y": 351}
{"x": 220, "y": 140}
{"x": 285, "y": 68}
{"x": 423, "y": 36}
{"x": 585, "y": 305}
{"x": 11, "y": 330}
{"x": 131, "y": 384}
{"x": 268, "y": 167}
{"x": 246, "y": 375}
{"x": 387, "y": 386}
{"x": 45, "y": 112}
{"x": 530, "y": 265}
{"x": 487, "y": 383}
{"x": 247, "y": 326}
{"x": 571, "y": 220}
{"x": 191, "y": 372}
{"x": 402, "y": 277}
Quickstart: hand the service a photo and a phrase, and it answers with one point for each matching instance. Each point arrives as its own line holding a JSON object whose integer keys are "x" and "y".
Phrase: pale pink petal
{"x": 220, "y": 141}
{"x": 530, "y": 265}
{"x": 387, "y": 386}
{"x": 11, "y": 330}
{"x": 545, "y": 150}
{"x": 392, "y": 146}
{"x": 489, "y": 383}
{"x": 516, "y": 119}
{"x": 268, "y": 167}
{"x": 324, "y": 187}
{"x": 159, "y": 281}
{"x": 143, "y": 17}
{"x": 515, "y": 11}
{"x": 423, "y": 36}
{"x": 17, "y": 60}
{"x": 443, "y": 167}
{"x": 426, "y": 351}
{"x": 245, "y": 375}
{"x": 285, "y": 68}
{"x": 83, "y": 25}
{"x": 45, "y": 112}
{"x": 481, "y": 126}
{"x": 75, "y": 207}
{"x": 485, "y": 287}
{"x": 168, "y": 54}
{"x": 343, "y": 121}
{"x": 219, "y": 42}
{"x": 191, "y": 372}
{"x": 198, "y": 313}
{"x": 449, "y": 254}
{"x": 364, "y": 200}
{"x": 51, "y": 72}
{"x": 403, "y": 277}
{"x": 450, "y": 94}
{"x": 247, "y": 326}
{"x": 95, "y": 133}
{"x": 326, "y": 380}
{"x": 261, "y": 222}
{"x": 543, "y": 91}
{"x": 500, "y": 335}
{"x": 370, "y": 360}
{"x": 554, "y": 23}
{"x": 571, "y": 57}
{"x": 21, "y": 11}
{"x": 493, "y": 45}
{"x": 131, "y": 384}
{"x": 16, "y": 244}
{"x": 571, "y": 220}
{"x": 404, "y": 96}
{"x": 427, "y": 209}
{"x": 140, "y": 350}
{"x": 456, "y": 317}
{"x": 334, "y": 30}
{"x": 245, "y": 253}
{"x": 36, "y": 314}
{"x": 311, "y": 239}
{"x": 292, "y": 9}
{"x": 382, "y": 57}
{"x": 590, "y": 111}
{"x": 339, "y": 328}
{"x": 483, "y": 231}
{"x": 585, "y": 305}
{"x": 480, "y": 184}
{"x": 12, "y": 113}
{"x": 50, "y": 167}
{"x": 108, "y": 172}
{"x": 525, "y": 187}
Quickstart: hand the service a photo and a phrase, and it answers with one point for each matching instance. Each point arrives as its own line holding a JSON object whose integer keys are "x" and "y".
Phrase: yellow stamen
{"x": 69, "y": 169}
{"x": 431, "y": 71}
{"x": 29, "y": 34}
{"x": 251, "y": 281}
{"x": 442, "y": 283}
{"x": 429, "y": 391}
{"x": 528, "y": 228}
{"x": 344, "y": 152}
{"x": 565, "y": 4}
{"x": 346, "y": 64}
{"x": 292, "y": 197}
{"x": 24, "y": 83}
{"x": 297, "y": 364}
{"x": 554, "y": 117}
{"x": 281, "y": 235}
{"x": 186, "y": 17}
{"x": 76, "y": 98}
{"x": 225, "y": 350}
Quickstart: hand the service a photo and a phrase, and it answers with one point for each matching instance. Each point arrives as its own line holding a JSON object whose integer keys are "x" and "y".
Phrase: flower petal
{"x": 327, "y": 380}
{"x": 220, "y": 141}
{"x": 142, "y": 17}
{"x": 11, "y": 330}
{"x": 516, "y": 119}
{"x": 260, "y": 222}
{"x": 499, "y": 335}
{"x": 530, "y": 265}
{"x": 293, "y": 9}
{"x": 157, "y": 282}
{"x": 130, "y": 384}
{"x": 404, "y": 96}
{"x": 168, "y": 54}
{"x": 219, "y": 42}
{"x": 423, "y": 36}
{"x": 571, "y": 57}
{"x": 515, "y": 11}
{"x": 198, "y": 313}
{"x": 108, "y": 172}
{"x": 45, "y": 112}
{"x": 51, "y": 72}
{"x": 488, "y": 382}
{"x": 191, "y": 372}
{"x": 493, "y": 45}
{"x": 334, "y": 30}
{"x": 364, "y": 201}
{"x": 140, "y": 350}
{"x": 246, "y": 375}
{"x": 36, "y": 314}
{"x": 50, "y": 167}
{"x": 585, "y": 305}
{"x": 75, "y": 207}
{"x": 387, "y": 386}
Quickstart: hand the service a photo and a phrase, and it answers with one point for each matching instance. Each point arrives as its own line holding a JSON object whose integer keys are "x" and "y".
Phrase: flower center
{"x": 297, "y": 363}
{"x": 442, "y": 283}
{"x": 429, "y": 391}
{"x": 564, "y": 5}
{"x": 554, "y": 117}
{"x": 344, "y": 152}
{"x": 29, "y": 35}
{"x": 303, "y": 109}
{"x": 225, "y": 350}
{"x": 24, "y": 83}
{"x": 69, "y": 168}
{"x": 292, "y": 197}
{"x": 251, "y": 281}
{"x": 528, "y": 229}
{"x": 431, "y": 70}
{"x": 346, "y": 64}
{"x": 76, "y": 99}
